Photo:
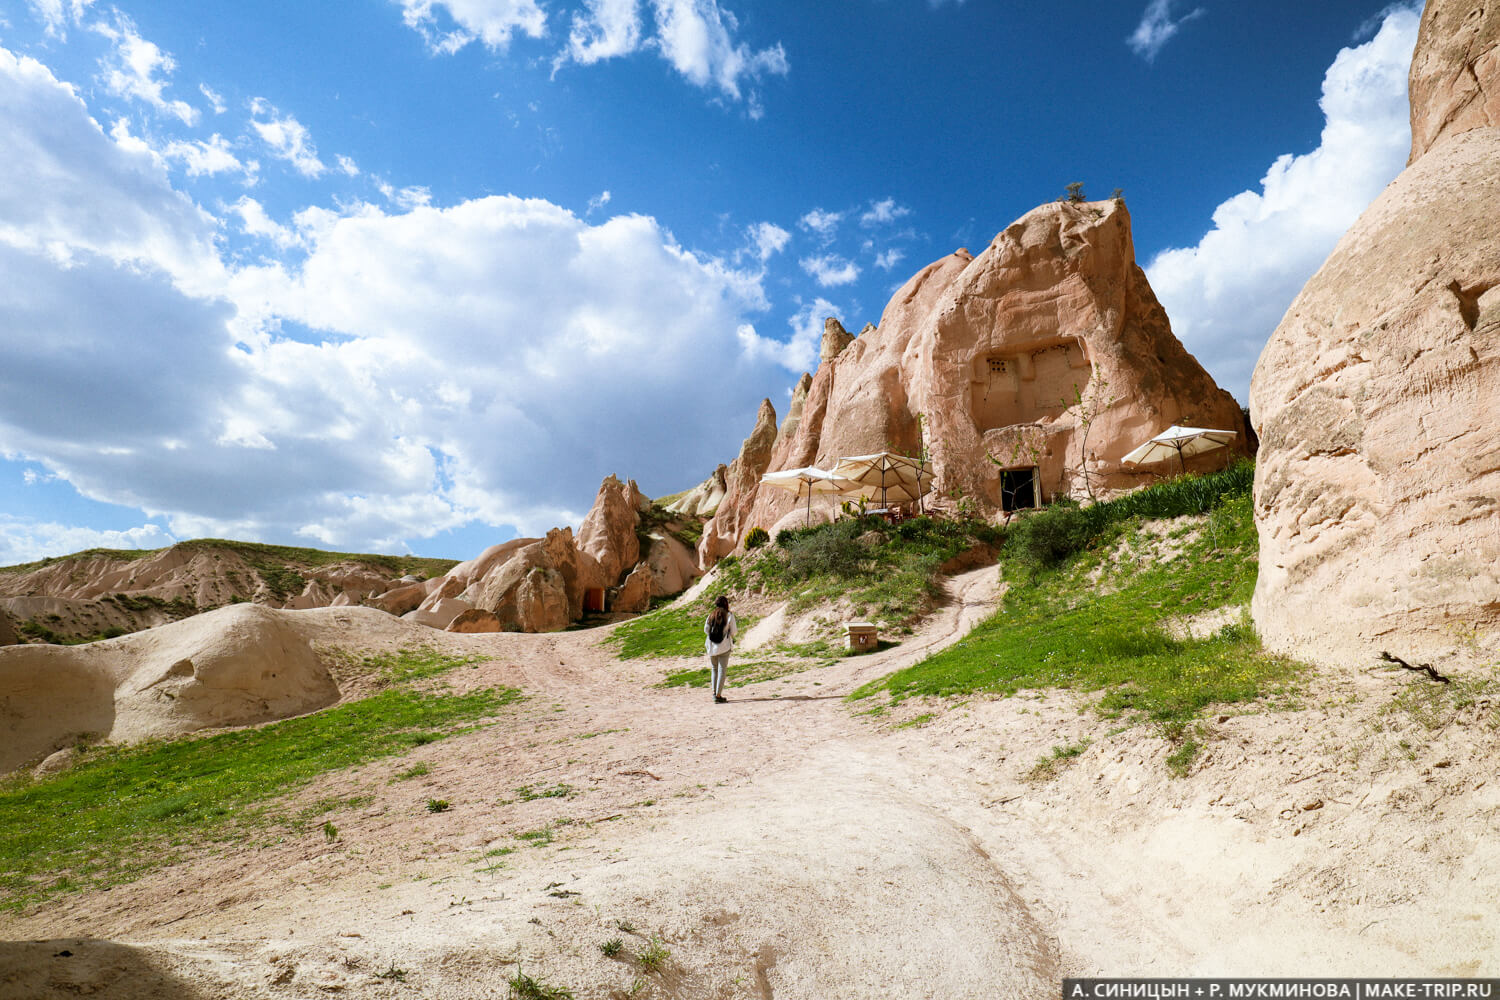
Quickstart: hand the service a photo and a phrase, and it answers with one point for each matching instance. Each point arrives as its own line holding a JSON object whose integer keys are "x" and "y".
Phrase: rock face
{"x": 1453, "y": 72}
{"x": 1047, "y": 356}
{"x": 702, "y": 500}
{"x": 1377, "y": 398}
{"x": 835, "y": 339}
{"x": 235, "y": 666}
{"x": 723, "y": 533}
{"x": 8, "y": 636}
{"x": 540, "y": 588}
{"x": 608, "y": 530}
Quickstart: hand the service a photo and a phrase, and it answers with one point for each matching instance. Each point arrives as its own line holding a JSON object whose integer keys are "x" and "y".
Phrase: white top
{"x": 724, "y": 645}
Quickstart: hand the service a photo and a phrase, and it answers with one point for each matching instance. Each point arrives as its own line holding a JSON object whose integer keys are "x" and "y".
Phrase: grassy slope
{"x": 1094, "y": 619}
{"x": 887, "y": 572}
{"x": 122, "y": 812}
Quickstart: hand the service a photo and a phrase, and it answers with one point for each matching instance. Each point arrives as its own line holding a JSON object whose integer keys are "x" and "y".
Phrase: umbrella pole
{"x": 1181, "y": 461}
{"x": 808, "y": 522}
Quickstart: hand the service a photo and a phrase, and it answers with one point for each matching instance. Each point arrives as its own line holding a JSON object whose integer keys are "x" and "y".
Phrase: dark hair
{"x": 719, "y": 617}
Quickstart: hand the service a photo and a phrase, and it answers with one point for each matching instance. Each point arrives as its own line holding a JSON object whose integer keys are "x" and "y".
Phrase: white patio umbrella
{"x": 1180, "y": 441}
{"x": 806, "y": 482}
{"x": 895, "y": 477}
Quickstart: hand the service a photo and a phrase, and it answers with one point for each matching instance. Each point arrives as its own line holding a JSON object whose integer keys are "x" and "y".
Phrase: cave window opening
{"x": 1018, "y": 489}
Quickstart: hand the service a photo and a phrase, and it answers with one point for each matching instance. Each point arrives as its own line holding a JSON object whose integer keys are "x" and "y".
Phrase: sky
{"x": 415, "y": 275}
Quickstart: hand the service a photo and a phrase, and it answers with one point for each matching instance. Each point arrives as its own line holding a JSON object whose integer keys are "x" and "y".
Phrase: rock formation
{"x": 608, "y": 530}
{"x": 235, "y": 666}
{"x": 728, "y": 525}
{"x": 1453, "y": 73}
{"x": 107, "y": 592}
{"x": 1377, "y": 398}
{"x": 1047, "y": 356}
{"x": 702, "y": 500}
{"x": 835, "y": 339}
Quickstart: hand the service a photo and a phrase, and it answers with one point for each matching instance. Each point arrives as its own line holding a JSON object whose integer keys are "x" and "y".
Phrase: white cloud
{"x": 824, "y": 224}
{"x": 491, "y": 22}
{"x": 696, "y": 37}
{"x": 882, "y": 212}
{"x": 24, "y": 540}
{"x": 215, "y": 99}
{"x": 830, "y": 269}
{"x": 131, "y": 66}
{"x": 768, "y": 240}
{"x": 1229, "y": 292}
{"x": 1157, "y": 28}
{"x": 59, "y": 15}
{"x": 888, "y": 259}
{"x": 199, "y": 157}
{"x": 598, "y": 201}
{"x": 605, "y": 29}
{"x": 413, "y": 196}
{"x": 100, "y": 197}
{"x": 800, "y": 352}
{"x": 286, "y": 138}
{"x": 347, "y": 166}
{"x": 489, "y": 361}
{"x": 255, "y": 222}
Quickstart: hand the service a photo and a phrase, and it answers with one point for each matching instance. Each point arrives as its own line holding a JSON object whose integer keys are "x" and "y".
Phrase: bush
{"x": 1044, "y": 540}
{"x": 757, "y": 537}
{"x": 832, "y": 549}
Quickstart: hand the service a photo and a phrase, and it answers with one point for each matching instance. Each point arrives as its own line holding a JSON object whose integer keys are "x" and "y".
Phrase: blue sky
{"x": 415, "y": 275}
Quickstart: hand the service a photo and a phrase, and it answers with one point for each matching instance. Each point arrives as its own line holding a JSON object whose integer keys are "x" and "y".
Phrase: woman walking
{"x": 719, "y": 627}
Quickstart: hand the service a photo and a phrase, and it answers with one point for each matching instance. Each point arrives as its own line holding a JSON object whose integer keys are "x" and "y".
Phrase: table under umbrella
{"x": 894, "y": 477}
{"x": 806, "y": 482}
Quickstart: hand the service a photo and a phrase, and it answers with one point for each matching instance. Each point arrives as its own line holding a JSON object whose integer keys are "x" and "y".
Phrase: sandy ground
{"x": 785, "y": 845}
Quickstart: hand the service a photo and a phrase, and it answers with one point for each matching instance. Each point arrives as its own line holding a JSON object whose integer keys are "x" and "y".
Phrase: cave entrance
{"x": 593, "y": 599}
{"x": 1018, "y": 489}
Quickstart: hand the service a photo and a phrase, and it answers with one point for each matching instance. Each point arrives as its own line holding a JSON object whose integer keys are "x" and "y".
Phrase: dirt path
{"x": 784, "y": 846}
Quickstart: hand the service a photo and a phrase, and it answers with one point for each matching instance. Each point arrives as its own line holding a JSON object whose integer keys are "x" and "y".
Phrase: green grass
{"x": 889, "y": 572}
{"x": 1051, "y": 765}
{"x": 1096, "y": 624}
{"x": 415, "y": 664}
{"x": 561, "y": 791}
{"x": 668, "y": 632}
{"x": 123, "y": 812}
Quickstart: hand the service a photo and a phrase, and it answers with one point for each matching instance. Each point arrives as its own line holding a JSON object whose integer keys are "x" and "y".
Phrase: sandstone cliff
{"x": 1048, "y": 351}
{"x": 1378, "y": 396}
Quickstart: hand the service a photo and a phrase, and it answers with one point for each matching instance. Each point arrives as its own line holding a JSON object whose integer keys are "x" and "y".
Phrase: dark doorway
{"x": 1017, "y": 489}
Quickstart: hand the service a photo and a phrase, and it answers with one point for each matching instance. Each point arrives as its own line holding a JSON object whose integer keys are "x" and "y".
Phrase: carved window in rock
{"x": 1027, "y": 386}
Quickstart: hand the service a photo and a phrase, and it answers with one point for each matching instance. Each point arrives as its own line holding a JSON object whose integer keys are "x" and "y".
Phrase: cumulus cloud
{"x": 286, "y": 138}
{"x": 255, "y": 222}
{"x": 398, "y": 375}
{"x": 1157, "y": 28}
{"x": 598, "y": 201}
{"x": 604, "y": 29}
{"x": 491, "y": 22}
{"x": 830, "y": 269}
{"x": 199, "y": 157}
{"x": 347, "y": 166}
{"x": 768, "y": 239}
{"x": 696, "y": 36}
{"x": 1226, "y": 294}
{"x": 24, "y": 540}
{"x": 131, "y": 68}
{"x": 823, "y": 224}
{"x": 888, "y": 259}
{"x": 882, "y": 212}
{"x": 800, "y": 352}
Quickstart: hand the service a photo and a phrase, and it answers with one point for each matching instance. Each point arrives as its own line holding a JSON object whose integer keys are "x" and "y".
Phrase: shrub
{"x": 757, "y": 537}
{"x": 833, "y": 549}
{"x": 1044, "y": 540}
